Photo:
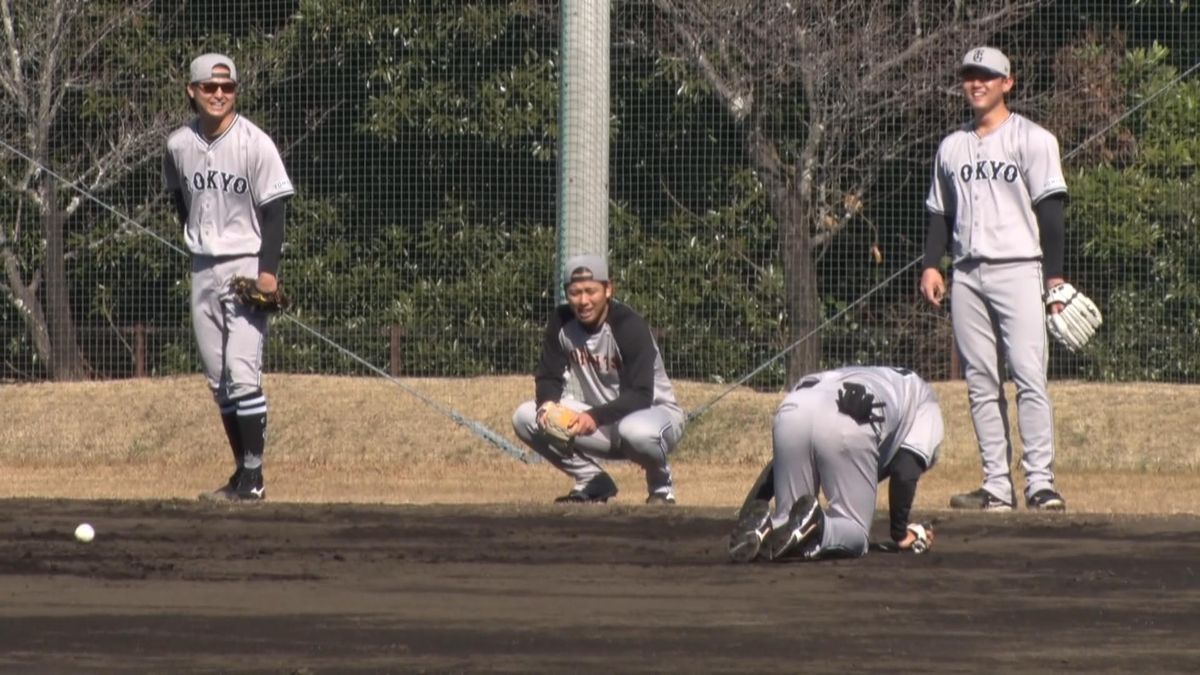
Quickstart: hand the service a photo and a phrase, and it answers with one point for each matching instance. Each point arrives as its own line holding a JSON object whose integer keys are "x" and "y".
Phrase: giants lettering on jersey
{"x": 601, "y": 364}
{"x": 989, "y": 170}
{"x": 219, "y": 180}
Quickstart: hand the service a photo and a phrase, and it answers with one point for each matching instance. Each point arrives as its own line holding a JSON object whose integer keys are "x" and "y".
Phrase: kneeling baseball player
{"x": 622, "y": 405}
{"x": 842, "y": 432}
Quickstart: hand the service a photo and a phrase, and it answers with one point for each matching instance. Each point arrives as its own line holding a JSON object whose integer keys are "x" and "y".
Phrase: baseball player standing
{"x": 998, "y": 196}
{"x": 842, "y": 432}
{"x": 627, "y": 403}
{"x": 230, "y": 189}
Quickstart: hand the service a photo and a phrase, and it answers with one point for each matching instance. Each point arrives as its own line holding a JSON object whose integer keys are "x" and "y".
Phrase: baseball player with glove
{"x": 231, "y": 190}
{"x": 998, "y": 197}
{"x": 842, "y": 432}
{"x": 601, "y": 391}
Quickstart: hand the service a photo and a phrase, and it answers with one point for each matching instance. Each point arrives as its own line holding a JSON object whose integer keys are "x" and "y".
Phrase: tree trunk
{"x": 66, "y": 363}
{"x": 800, "y": 281}
{"x": 24, "y": 297}
{"x": 790, "y": 198}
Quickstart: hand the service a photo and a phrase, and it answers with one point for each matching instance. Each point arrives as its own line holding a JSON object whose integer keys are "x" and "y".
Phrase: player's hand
{"x": 1056, "y": 307}
{"x": 267, "y": 282}
{"x": 933, "y": 286}
{"x": 583, "y": 425}
{"x": 912, "y": 536}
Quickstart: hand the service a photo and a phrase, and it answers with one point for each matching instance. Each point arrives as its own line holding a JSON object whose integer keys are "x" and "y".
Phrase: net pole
{"x": 583, "y": 131}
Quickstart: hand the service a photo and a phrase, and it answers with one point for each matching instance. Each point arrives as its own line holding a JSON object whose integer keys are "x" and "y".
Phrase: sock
{"x": 252, "y": 428}
{"x": 229, "y": 421}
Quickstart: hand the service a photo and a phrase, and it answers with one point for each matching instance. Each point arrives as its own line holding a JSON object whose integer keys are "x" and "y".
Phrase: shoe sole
{"x": 1056, "y": 506}
{"x": 751, "y": 530}
{"x": 798, "y": 529}
{"x": 219, "y": 496}
{"x": 584, "y": 500}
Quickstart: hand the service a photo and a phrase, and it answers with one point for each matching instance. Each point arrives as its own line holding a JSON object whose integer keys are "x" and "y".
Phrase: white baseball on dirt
{"x": 85, "y": 533}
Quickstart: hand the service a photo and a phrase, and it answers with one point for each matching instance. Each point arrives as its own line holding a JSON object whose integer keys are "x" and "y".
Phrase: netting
{"x": 766, "y": 169}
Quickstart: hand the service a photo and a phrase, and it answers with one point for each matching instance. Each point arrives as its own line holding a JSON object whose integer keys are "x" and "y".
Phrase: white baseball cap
{"x": 987, "y": 58}
{"x": 202, "y": 67}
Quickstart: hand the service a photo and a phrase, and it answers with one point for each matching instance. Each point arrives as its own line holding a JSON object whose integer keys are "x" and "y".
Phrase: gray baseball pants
{"x": 230, "y": 336}
{"x": 817, "y": 449}
{"x": 998, "y": 316}
{"x": 645, "y": 437}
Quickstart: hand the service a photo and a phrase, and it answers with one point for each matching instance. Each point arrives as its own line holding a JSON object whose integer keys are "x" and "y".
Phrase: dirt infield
{"x": 184, "y": 586}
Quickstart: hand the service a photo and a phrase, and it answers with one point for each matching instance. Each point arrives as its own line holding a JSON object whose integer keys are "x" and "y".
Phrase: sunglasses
{"x": 212, "y": 87}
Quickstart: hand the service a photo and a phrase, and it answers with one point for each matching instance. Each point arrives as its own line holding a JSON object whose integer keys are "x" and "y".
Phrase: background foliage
{"x": 423, "y": 141}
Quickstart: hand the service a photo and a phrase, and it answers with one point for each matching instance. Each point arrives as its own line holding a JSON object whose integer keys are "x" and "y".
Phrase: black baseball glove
{"x": 248, "y": 293}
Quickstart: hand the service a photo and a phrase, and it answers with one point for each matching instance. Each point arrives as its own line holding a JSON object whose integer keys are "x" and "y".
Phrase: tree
{"x": 862, "y": 79}
{"x": 64, "y": 103}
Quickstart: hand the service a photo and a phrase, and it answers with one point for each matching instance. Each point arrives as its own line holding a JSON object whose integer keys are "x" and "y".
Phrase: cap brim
{"x": 975, "y": 66}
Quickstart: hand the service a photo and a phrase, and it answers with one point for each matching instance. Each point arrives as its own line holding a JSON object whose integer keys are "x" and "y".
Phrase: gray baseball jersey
{"x": 989, "y": 185}
{"x": 225, "y": 182}
{"x": 817, "y": 448}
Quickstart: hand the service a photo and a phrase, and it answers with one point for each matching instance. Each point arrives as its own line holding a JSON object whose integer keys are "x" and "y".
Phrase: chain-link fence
{"x": 768, "y": 164}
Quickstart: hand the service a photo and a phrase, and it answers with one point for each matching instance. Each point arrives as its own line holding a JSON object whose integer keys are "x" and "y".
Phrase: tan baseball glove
{"x": 556, "y": 420}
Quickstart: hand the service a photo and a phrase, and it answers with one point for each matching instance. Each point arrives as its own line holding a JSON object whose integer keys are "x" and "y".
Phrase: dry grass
{"x": 366, "y": 440}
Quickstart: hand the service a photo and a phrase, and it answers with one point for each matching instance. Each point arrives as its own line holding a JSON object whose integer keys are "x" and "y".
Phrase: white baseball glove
{"x": 1078, "y": 320}
{"x": 922, "y": 537}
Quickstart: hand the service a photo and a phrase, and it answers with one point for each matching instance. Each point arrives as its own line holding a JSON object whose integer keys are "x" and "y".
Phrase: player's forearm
{"x": 1052, "y": 228}
{"x": 630, "y": 401}
{"x": 180, "y": 203}
{"x": 937, "y": 238}
{"x": 904, "y": 472}
{"x": 547, "y": 389}
{"x": 272, "y": 221}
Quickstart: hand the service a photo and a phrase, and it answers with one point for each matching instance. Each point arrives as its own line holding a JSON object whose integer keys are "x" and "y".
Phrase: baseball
{"x": 85, "y": 533}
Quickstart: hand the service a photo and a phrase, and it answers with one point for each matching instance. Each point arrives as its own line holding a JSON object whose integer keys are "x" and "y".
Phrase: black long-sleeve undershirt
{"x": 903, "y": 472}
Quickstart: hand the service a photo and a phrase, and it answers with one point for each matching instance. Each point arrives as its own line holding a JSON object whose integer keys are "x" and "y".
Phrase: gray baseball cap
{"x": 587, "y": 267}
{"x": 987, "y": 58}
{"x": 202, "y": 67}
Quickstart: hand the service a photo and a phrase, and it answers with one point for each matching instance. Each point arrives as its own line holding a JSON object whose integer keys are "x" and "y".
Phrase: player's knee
{"x": 524, "y": 421}
{"x": 645, "y": 444}
{"x": 239, "y": 391}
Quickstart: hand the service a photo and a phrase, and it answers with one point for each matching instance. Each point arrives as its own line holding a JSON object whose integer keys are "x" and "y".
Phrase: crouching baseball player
{"x": 230, "y": 190}
{"x": 842, "y": 432}
{"x": 621, "y": 404}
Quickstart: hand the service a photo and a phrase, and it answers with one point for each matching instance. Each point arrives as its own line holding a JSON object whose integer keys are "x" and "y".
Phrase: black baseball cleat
{"x": 224, "y": 493}
{"x": 250, "y": 486}
{"x": 981, "y": 500}
{"x": 753, "y": 526}
{"x": 801, "y": 534}
{"x": 1046, "y": 500}
{"x": 245, "y": 485}
{"x": 598, "y": 490}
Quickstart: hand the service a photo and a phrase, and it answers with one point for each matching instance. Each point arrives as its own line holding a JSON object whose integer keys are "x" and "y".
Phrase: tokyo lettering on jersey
{"x": 988, "y": 186}
{"x": 224, "y": 184}
{"x": 618, "y": 367}
{"x": 911, "y": 416}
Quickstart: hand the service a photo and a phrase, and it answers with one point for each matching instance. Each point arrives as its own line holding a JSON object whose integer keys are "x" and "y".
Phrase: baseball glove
{"x": 1078, "y": 320}
{"x": 248, "y": 293}
{"x": 556, "y": 421}
{"x": 923, "y": 537}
